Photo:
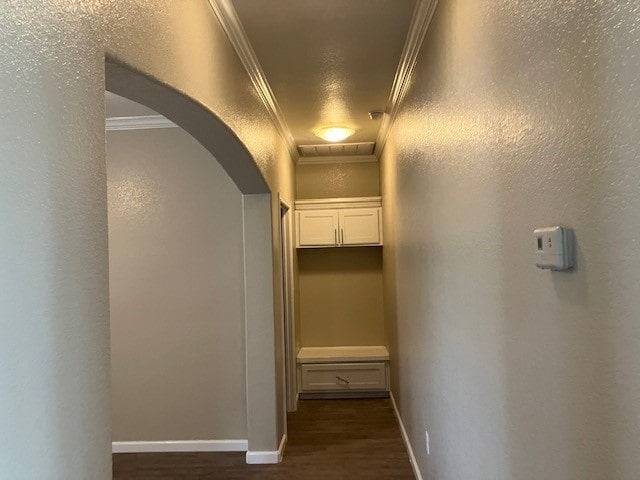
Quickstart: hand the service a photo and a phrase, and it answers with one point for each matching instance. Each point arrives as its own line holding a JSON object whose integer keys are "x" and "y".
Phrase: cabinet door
{"x": 360, "y": 226}
{"x": 317, "y": 228}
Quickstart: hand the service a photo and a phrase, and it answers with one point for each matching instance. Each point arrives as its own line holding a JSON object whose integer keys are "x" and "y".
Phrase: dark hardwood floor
{"x": 327, "y": 440}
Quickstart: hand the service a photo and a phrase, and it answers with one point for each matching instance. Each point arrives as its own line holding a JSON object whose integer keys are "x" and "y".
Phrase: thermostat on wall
{"x": 554, "y": 248}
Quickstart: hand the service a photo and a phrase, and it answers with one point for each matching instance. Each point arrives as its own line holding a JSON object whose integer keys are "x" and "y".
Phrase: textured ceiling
{"x": 328, "y": 62}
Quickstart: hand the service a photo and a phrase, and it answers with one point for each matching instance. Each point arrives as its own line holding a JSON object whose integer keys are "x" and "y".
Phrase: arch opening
{"x": 193, "y": 117}
{"x": 263, "y": 433}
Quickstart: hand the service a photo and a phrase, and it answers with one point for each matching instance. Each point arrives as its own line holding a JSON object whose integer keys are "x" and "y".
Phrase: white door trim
{"x": 289, "y": 331}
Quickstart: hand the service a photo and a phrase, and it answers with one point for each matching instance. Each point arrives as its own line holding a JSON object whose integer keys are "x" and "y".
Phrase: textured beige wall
{"x": 55, "y": 303}
{"x": 340, "y": 294}
{"x": 520, "y": 115}
{"x": 177, "y": 290}
{"x": 338, "y": 180}
{"x": 260, "y": 331}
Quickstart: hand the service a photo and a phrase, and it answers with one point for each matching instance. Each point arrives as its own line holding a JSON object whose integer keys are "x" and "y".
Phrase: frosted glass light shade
{"x": 334, "y": 134}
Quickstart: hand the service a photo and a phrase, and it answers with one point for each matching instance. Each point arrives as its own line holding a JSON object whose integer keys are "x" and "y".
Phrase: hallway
{"x": 432, "y": 199}
{"x": 328, "y": 439}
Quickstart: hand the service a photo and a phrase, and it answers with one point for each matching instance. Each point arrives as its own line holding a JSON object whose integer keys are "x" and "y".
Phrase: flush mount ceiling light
{"x": 334, "y": 134}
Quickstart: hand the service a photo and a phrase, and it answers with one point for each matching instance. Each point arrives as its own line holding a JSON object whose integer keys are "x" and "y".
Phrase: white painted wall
{"x": 520, "y": 115}
{"x": 176, "y": 274}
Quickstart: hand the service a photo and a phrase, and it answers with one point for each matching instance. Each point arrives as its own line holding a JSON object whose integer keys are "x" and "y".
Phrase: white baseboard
{"x": 267, "y": 457}
{"x": 405, "y": 437}
{"x": 181, "y": 446}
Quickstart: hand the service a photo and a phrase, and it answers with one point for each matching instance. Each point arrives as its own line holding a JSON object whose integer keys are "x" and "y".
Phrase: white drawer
{"x": 323, "y": 377}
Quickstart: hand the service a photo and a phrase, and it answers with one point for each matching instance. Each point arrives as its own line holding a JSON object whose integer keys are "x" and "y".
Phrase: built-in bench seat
{"x": 344, "y": 371}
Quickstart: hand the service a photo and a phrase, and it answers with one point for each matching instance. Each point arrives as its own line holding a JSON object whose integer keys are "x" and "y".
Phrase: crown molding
{"x": 232, "y": 26}
{"x": 333, "y": 203}
{"x": 138, "y": 123}
{"x": 422, "y": 15}
{"x": 337, "y": 159}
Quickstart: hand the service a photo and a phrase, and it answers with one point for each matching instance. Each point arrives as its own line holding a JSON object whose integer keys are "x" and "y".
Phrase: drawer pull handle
{"x": 342, "y": 379}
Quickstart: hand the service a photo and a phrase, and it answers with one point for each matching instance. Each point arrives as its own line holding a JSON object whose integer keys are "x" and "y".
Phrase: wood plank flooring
{"x": 327, "y": 440}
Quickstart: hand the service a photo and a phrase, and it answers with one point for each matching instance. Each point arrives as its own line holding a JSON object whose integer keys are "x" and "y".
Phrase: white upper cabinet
{"x": 360, "y": 226}
{"x": 318, "y": 227}
{"x": 339, "y": 222}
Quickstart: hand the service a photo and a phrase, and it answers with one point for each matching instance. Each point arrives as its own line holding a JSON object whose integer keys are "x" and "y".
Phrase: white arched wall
{"x": 54, "y": 366}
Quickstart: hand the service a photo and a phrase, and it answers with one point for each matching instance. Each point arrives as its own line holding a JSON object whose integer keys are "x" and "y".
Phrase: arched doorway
{"x": 263, "y": 410}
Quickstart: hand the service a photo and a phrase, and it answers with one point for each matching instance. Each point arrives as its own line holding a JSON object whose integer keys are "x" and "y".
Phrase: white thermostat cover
{"x": 554, "y": 248}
